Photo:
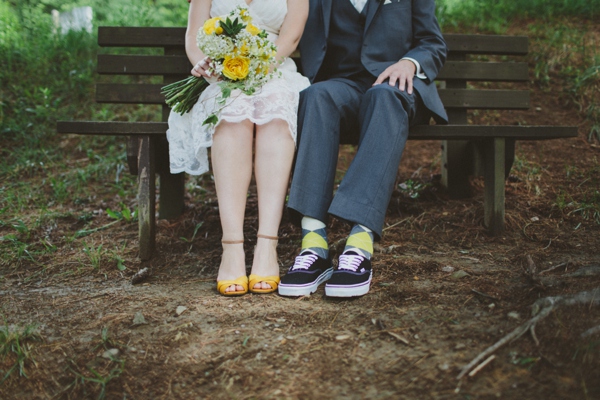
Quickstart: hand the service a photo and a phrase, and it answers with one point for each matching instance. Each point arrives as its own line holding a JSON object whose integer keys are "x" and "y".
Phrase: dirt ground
{"x": 443, "y": 291}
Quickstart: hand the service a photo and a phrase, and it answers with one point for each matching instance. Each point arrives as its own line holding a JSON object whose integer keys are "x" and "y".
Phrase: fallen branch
{"x": 482, "y": 365}
{"x": 398, "y": 337}
{"x": 540, "y": 310}
{"x": 555, "y": 267}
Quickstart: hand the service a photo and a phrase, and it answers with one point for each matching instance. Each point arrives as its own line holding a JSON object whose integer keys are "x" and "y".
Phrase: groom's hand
{"x": 401, "y": 73}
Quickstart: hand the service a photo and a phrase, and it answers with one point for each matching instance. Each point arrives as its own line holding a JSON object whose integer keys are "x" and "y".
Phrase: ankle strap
{"x": 260, "y": 235}
{"x": 232, "y": 241}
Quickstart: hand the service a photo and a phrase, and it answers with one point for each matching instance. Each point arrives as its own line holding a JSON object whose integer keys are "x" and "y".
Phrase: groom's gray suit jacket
{"x": 393, "y": 29}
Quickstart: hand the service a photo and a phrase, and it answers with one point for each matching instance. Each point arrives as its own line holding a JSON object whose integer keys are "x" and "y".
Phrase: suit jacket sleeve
{"x": 428, "y": 46}
{"x": 403, "y": 28}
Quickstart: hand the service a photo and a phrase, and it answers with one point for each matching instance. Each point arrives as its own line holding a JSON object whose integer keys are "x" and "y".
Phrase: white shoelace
{"x": 350, "y": 262}
{"x": 304, "y": 261}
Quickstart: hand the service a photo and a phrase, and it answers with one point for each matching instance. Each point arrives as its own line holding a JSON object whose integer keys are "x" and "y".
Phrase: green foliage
{"x": 124, "y": 215}
{"x": 15, "y": 349}
{"x": 496, "y": 15}
{"x": 560, "y": 46}
{"x": 232, "y": 28}
{"x": 412, "y": 189}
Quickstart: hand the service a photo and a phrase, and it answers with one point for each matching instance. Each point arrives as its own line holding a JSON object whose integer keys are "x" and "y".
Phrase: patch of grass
{"x": 586, "y": 200}
{"x": 191, "y": 240}
{"x": 588, "y": 207}
{"x": 100, "y": 371}
{"x": 95, "y": 255}
{"x": 100, "y": 378}
{"x": 15, "y": 349}
{"x": 529, "y": 172}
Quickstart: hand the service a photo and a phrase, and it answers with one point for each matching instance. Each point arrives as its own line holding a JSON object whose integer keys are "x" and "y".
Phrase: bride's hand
{"x": 203, "y": 68}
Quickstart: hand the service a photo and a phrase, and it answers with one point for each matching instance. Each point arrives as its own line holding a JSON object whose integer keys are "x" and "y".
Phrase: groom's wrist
{"x": 418, "y": 70}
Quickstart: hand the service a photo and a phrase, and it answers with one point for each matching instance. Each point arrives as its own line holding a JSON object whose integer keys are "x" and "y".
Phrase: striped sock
{"x": 314, "y": 237}
{"x": 360, "y": 241}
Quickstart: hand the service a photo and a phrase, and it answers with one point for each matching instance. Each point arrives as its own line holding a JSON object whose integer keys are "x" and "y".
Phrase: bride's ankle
{"x": 233, "y": 260}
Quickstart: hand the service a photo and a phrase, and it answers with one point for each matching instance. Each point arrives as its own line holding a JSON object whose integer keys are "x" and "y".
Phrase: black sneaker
{"x": 305, "y": 276}
{"x": 351, "y": 278}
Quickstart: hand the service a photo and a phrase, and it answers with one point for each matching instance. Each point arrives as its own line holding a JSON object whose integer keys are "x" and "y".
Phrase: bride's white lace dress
{"x": 277, "y": 99}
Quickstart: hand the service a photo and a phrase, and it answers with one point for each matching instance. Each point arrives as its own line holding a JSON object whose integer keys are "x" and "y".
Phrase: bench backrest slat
{"x": 456, "y": 95}
{"x": 129, "y": 93}
{"x": 117, "y": 36}
{"x": 485, "y": 71}
{"x": 487, "y": 44}
{"x": 111, "y": 36}
{"x": 452, "y": 98}
{"x": 485, "y": 99}
{"x": 111, "y": 64}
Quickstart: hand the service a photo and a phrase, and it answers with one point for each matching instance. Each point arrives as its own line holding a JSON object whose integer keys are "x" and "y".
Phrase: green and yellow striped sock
{"x": 361, "y": 239}
{"x": 314, "y": 237}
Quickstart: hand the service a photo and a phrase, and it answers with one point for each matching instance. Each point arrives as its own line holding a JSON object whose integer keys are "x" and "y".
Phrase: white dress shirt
{"x": 359, "y": 4}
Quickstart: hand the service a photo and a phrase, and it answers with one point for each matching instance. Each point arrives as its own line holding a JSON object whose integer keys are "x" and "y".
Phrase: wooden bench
{"x": 467, "y": 149}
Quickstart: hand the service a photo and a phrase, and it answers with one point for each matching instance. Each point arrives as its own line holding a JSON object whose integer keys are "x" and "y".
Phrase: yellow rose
{"x": 236, "y": 68}
{"x": 253, "y": 29}
{"x": 210, "y": 25}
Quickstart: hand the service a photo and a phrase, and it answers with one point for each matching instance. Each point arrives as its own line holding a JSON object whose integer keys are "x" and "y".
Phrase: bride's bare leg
{"x": 273, "y": 161}
{"x": 232, "y": 168}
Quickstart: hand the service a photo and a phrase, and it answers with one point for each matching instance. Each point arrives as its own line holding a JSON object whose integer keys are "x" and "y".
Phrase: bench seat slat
{"x": 421, "y": 132}
{"x": 115, "y": 128}
{"x": 475, "y": 132}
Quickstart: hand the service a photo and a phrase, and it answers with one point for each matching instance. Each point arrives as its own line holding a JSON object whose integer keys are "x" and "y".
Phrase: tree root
{"x": 540, "y": 310}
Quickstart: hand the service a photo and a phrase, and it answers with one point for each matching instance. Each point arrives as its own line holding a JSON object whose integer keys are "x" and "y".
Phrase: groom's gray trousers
{"x": 382, "y": 114}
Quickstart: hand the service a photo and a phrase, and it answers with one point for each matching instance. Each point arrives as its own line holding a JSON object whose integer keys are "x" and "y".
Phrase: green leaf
{"x": 120, "y": 264}
{"x": 113, "y": 214}
{"x": 211, "y": 120}
{"x": 126, "y": 213}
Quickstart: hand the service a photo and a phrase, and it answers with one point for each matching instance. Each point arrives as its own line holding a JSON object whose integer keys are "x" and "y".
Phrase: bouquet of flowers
{"x": 241, "y": 56}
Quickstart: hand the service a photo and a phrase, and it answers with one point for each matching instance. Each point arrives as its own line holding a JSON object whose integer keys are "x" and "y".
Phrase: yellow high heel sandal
{"x": 273, "y": 280}
{"x": 241, "y": 281}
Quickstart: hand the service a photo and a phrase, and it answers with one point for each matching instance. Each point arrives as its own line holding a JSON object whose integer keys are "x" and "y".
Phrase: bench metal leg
{"x": 494, "y": 176}
{"x": 146, "y": 196}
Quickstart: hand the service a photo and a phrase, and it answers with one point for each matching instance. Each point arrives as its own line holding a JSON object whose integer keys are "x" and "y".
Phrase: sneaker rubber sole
{"x": 348, "y": 290}
{"x": 306, "y": 289}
